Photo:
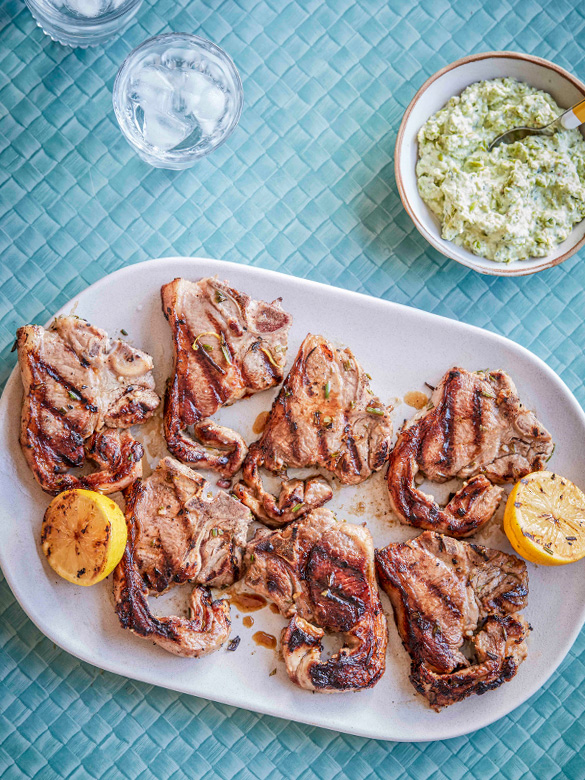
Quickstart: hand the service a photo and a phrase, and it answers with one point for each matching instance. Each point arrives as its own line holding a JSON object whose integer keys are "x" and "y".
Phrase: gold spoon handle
{"x": 574, "y": 117}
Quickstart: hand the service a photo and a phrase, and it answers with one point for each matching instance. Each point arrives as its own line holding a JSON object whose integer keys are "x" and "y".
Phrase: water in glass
{"x": 177, "y": 99}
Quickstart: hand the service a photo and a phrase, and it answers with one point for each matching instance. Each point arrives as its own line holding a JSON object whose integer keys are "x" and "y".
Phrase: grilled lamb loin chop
{"x": 178, "y": 534}
{"x": 226, "y": 346}
{"x": 320, "y": 574}
{"x": 81, "y": 390}
{"x": 446, "y": 593}
{"x": 474, "y": 428}
{"x": 183, "y": 533}
{"x": 207, "y": 628}
{"x": 325, "y": 415}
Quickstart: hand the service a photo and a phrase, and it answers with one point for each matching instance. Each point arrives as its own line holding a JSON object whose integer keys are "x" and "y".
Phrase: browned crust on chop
{"x": 205, "y": 631}
{"x": 320, "y": 574}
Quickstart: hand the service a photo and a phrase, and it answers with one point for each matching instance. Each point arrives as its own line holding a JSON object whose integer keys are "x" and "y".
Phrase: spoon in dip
{"x": 570, "y": 119}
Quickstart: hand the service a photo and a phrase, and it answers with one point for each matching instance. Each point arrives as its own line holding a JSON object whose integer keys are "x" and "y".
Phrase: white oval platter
{"x": 401, "y": 348}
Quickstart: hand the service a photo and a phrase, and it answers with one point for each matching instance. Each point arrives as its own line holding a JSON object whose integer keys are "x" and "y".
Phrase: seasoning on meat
{"x": 81, "y": 391}
{"x": 325, "y": 415}
{"x": 456, "y": 609}
{"x": 226, "y": 346}
{"x": 474, "y": 428}
{"x": 320, "y": 574}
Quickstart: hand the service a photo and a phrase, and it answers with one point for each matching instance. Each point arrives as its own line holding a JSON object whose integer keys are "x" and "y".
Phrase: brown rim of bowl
{"x": 498, "y": 270}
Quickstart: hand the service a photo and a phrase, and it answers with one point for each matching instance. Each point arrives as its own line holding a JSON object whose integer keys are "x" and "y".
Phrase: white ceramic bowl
{"x": 432, "y": 96}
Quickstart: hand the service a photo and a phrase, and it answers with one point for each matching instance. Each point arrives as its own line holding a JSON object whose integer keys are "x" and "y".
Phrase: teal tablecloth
{"x": 305, "y": 186}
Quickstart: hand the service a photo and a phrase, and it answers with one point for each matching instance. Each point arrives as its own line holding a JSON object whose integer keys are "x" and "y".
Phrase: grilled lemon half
{"x": 83, "y": 536}
{"x": 545, "y": 519}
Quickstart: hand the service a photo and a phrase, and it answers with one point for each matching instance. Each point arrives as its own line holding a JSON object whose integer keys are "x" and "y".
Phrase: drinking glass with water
{"x": 177, "y": 97}
{"x": 83, "y": 22}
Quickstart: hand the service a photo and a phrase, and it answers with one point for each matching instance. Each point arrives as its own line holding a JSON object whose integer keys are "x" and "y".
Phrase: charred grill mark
{"x": 45, "y": 368}
{"x": 480, "y": 551}
{"x": 272, "y": 585}
{"x": 136, "y": 409}
{"x": 65, "y": 445}
{"x": 295, "y": 442}
{"x": 380, "y": 456}
{"x": 340, "y": 673}
{"x": 516, "y": 596}
{"x": 308, "y": 356}
{"x": 351, "y": 668}
{"x": 391, "y": 583}
{"x": 328, "y": 352}
{"x": 477, "y": 416}
{"x": 49, "y": 466}
{"x": 342, "y": 602}
{"x": 445, "y": 598}
{"x": 218, "y": 326}
{"x": 172, "y": 417}
{"x": 352, "y": 453}
{"x": 299, "y": 638}
{"x": 206, "y": 358}
{"x": 321, "y": 553}
{"x": 264, "y": 545}
{"x": 82, "y": 361}
{"x": 323, "y": 448}
{"x": 300, "y": 373}
{"x": 206, "y": 364}
{"x": 274, "y": 374}
{"x": 446, "y": 421}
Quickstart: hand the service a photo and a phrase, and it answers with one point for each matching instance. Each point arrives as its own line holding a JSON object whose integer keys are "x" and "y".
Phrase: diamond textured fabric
{"x": 304, "y": 186}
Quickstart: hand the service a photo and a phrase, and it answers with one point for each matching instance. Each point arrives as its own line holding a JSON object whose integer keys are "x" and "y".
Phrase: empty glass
{"x": 177, "y": 97}
{"x": 83, "y": 22}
